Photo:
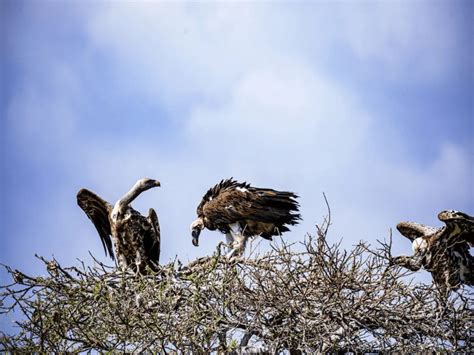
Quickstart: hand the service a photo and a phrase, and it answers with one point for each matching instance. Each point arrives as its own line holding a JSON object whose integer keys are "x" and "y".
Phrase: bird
{"x": 444, "y": 252}
{"x": 136, "y": 239}
{"x": 241, "y": 211}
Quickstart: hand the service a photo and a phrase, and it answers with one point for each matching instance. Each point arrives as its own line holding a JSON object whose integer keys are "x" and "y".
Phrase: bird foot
{"x": 230, "y": 254}
{"x": 234, "y": 255}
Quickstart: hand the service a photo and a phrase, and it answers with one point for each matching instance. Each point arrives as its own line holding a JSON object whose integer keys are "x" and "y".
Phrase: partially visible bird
{"x": 241, "y": 211}
{"x": 136, "y": 239}
{"x": 444, "y": 252}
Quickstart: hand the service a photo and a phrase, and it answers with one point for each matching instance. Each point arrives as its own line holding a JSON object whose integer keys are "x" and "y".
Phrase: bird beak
{"x": 157, "y": 183}
{"x": 195, "y": 233}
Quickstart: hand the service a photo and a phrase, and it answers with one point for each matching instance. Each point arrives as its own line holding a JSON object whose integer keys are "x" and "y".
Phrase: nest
{"x": 318, "y": 298}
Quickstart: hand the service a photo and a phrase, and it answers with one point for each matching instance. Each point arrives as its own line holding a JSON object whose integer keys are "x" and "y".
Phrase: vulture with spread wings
{"x": 444, "y": 252}
{"x": 241, "y": 211}
{"x": 136, "y": 239}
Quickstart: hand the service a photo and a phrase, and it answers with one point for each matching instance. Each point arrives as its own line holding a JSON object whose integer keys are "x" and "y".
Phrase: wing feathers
{"x": 460, "y": 224}
{"x": 236, "y": 203}
{"x": 98, "y": 212}
{"x": 153, "y": 246}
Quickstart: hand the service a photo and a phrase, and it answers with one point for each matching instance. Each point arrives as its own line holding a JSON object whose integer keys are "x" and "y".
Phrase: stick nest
{"x": 319, "y": 298}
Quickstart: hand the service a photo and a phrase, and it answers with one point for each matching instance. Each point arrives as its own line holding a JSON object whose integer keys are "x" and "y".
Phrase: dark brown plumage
{"x": 444, "y": 252}
{"x": 136, "y": 239}
{"x": 242, "y": 211}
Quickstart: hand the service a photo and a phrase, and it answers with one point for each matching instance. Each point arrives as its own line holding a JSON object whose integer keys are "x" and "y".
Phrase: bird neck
{"x": 131, "y": 195}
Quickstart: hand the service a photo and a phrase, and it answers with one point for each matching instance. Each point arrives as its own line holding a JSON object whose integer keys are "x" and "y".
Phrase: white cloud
{"x": 172, "y": 51}
{"x": 279, "y": 114}
{"x": 176, "y": 49}
{"x": 268, "y": 113}
{"x": 418, "y": 38}
{"x": 260, "y": 106}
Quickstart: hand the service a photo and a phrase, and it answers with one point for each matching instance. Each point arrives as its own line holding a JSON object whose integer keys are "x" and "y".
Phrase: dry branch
{"x": 322, "y": 298}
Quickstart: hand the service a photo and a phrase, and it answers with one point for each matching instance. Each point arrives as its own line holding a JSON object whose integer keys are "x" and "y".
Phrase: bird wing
{"x": 98, "y": 212}
{"x": 413, "y": 230}
{"x": 460, "y": 226}
{"x": 153, "y": 246}
{"x": 226, "y": 208}
{"x": 257, "y": 204}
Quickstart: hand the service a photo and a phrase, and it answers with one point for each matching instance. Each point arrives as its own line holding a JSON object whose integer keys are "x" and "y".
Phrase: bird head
{"x": 146, "y": 183}
{"x": 196, "y": 227}
{"x": 420, "y": 245}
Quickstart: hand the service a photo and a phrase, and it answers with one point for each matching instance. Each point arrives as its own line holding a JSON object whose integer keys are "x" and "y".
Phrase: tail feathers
{"x": 279, "y": 199}
{"x": 281, "y": 207}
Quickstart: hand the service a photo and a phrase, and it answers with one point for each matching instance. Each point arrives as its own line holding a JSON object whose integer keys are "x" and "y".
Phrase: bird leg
{"x": 238, "y": 246}
{"x": 229, "y": 240}
{"x": 238, "y": 241}
{"x": 230, "y": 254}
{"x": 138, "y": 262}
{"x": 234, "y": 229}
{"x": 121, "y": 261}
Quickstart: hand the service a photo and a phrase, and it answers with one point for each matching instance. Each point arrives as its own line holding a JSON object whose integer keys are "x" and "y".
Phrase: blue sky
{"x": 371, "y": 103}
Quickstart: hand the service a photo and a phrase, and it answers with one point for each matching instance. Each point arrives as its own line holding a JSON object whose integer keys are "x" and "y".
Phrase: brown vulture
{"x": 136, "y": 239}
{"x": 241, "y": 211}
{"x": 444, "y": 252}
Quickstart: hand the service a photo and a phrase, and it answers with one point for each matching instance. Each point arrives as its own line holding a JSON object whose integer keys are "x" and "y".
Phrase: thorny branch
{"x": 322, "y": 299}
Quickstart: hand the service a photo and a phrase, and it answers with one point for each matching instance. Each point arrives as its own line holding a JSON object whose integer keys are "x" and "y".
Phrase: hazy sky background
{"x": 371, "y": 103}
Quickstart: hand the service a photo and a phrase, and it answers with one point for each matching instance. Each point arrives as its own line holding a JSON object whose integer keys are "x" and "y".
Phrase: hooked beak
{"x": 195, "y": 233}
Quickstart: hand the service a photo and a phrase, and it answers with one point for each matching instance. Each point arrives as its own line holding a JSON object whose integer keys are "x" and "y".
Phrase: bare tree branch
{"x": 323, "y": 299}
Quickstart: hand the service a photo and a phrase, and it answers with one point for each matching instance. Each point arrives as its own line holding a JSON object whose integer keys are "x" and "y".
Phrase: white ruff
{"x": 419, "y": 245}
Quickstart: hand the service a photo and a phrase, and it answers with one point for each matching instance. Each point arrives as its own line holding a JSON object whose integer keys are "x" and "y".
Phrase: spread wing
{"x": 264, "y": 205}
{"x": 98, "y": 212}
{"x": 413, "y": 230}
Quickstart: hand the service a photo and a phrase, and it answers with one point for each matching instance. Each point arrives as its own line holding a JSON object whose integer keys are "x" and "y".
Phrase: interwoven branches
{"x": 319, "y": 298}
